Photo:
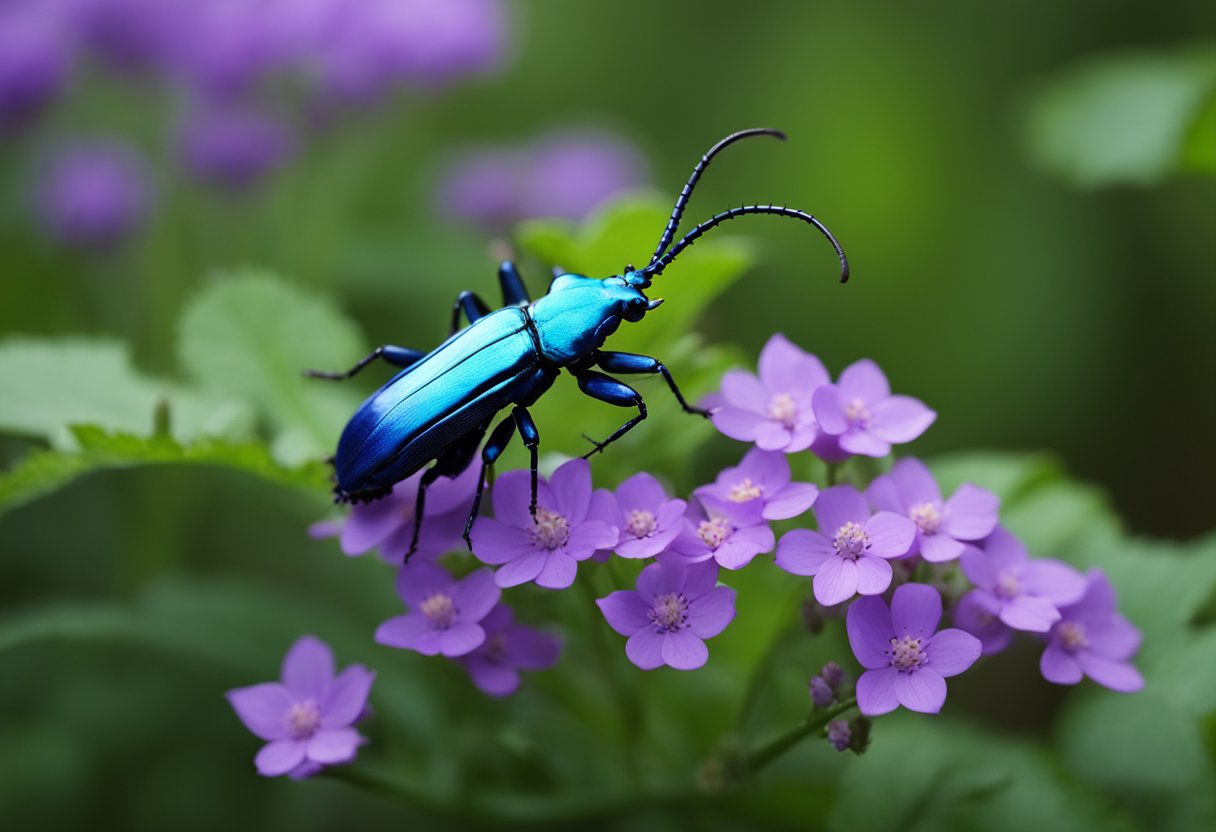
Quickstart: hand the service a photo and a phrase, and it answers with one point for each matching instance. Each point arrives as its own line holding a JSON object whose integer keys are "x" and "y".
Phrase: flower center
{"x": 851, "y": 541}
{"x": 1072, "y": 635}
{"x": 551, "y": 531}
{"x": 303, "y": 719}
{"x": 781, "y": 408}
{"x": 857, "y": 413}
{"x": 927, "y": 517}
{"x": 714, "y": 532}
{"x": 440, "y": 610}
{"x": 670, "y": 612}
{"x": 1008, "y": 586}
{"x": 641, "y": 523}
{"x": 906, "y": 654}
{"x": 744, "y": 490}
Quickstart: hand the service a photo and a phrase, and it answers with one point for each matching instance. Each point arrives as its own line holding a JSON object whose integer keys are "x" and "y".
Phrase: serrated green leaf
{"x": 1122, "y": 119}
{"x": 50, "y": 385}
{"x": 250, "y": 335}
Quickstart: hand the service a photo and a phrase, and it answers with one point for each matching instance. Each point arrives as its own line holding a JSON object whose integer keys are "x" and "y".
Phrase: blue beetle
{"x": 439, "y": 407}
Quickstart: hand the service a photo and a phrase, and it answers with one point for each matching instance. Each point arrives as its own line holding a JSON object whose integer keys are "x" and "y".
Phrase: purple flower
{"x": 970, "y": 514}
{"x": 839, "y": 734}
{"x": 445, "y": 614}
{"x": 674, "y": 608}
{"x": 306, "y": 719}
{"x": 133, "y": 35}
{"x": 33, "y": 64}
{"x": 547, "y": 548}
{"x": 234, "y": 147}
{"x": 774, "y": 410}
{"x": 850, "y": 551}
{"x": 764, "y": 476}
{"x": 388, "y": 523}
{"x": 978, "y": 612}
{"x": 822, "y": 694}
{"x": 94, "y": 195}
{"x": 729, "y": 533}
{"x": 647, "y": 518}
{"x": 508, "y": 648}
{"x": 906, "y": 660}
{"x": 1025, "y": 594}
{"x": 858, "y": 414}
{"x": 1093, "y": 639}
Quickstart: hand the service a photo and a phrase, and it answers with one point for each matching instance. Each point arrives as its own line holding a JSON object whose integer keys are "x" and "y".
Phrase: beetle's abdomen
{"x": 427, "y": 407}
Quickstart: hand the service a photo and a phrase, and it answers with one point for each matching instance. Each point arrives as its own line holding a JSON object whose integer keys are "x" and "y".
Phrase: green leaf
{"x": 1124, "y": 119}
{"x": 250, "y": 335}
{"x": 51, "y": 385}
{"x": 42, "y": 471}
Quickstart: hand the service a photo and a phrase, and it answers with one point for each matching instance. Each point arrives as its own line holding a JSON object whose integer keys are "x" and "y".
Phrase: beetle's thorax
{"x": 579, "y": 313}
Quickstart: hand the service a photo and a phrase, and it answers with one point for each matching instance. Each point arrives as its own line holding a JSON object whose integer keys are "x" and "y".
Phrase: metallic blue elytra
{"x": 439, "y": 407}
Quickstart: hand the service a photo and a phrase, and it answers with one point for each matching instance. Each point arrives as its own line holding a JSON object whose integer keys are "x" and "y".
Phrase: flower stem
{"x": 815, "y": 721}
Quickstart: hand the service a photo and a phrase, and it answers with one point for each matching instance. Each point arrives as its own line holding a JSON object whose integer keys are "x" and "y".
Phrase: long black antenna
{"x": 656, "y": 267}
{"x": 673, "y": 224}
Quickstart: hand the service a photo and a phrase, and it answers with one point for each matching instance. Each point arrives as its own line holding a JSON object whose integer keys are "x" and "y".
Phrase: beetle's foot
{"x": 323, "y": 374}
{"x": 468, "y": 540}
{"x": 599, "y": 446}
{"x": 704, "y": 413}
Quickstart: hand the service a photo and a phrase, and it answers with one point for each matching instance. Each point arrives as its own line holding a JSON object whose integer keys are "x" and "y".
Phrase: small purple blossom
{"x": 1093, "y": 639}
{"x": 941, "y": 527}
{"x": 509, "y": 647}
{"x": 445, "y": 614}
{"x": 34, "y": 63}
{"x": 647, "y": 518}
{"x": 979, "y": 613}
{"x": 849, "y": 553}
{"x": 764, "y": 476}
{"x": 858, "y": 414}
{"x": 906, "y": 660}
{"x": 1024, "y": 594}
{"x": 388, "y": 523}
{"x": 674, "y": 609}
{"x": 774, "y": 410}
{"x": 234, "y": 147}
{"x": 94, "y": 194}
{"x": 547, "y": 548}
{"x": 822, "y": 694}
{"x": 306, "y": 718}
{"x": 839, "y": 734}
{"x": 730, "y": 533}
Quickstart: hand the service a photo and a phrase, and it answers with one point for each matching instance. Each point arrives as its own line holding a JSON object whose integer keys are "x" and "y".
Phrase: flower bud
{"x": 839, "y": 734}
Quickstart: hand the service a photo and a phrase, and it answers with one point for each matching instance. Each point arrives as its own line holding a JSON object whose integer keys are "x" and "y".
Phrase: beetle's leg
{"x": 452, "y": 463}
{"x": 397, "y": 356}
{"x": 471, "y": 305}
{"x": 496, "y": 444}
{"x": 433, "y": 473}
{"x": 606, "y": 389}
{"x": 514, "y": 292}
{"x": 628, "y": 362}
{"x": 531, "y": 438}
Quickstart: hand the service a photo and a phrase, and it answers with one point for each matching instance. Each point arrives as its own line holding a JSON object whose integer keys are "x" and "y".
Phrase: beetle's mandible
{"x": 439, "y": 407}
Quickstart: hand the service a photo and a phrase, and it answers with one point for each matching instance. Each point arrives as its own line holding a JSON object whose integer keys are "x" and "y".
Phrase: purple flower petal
{"x": 641, "y": 491}
{"x": 308, "y": 668}
{"x": 496, "y": 543}
{"x": 571, "y": 486}
{"x": 1115, "y": 675}
{"x": 532, "y": 649}
{"x": 460, "y": 638}
{"x": 828, "y": 409}
{"x": 803, "y": 552}
{"x": 950, "y": 652}
{"x": 709, "y": 614}
{"x": 1099, "y": 599}
{"x": 409, "y": 632}
{"x": 558, "y": 571}
{"x": 838, "y": 506}
{"x": 1054, "y": 580}
{"x": 661, "y": 577}
{"x": 916, "y": 610}
{"x": 835, "y": 582}
{"x": 1004, "y": 550}
{"x": 868, "y": 622}
{"x": 900, "y": 419}
{"x": 511, "y": 495}
{"x": 347, "y": 697}
{"x": 263, "y": 708}
{"x": 937, "y": 548}
{"x": 476, "y": 595}
{"x": 737, "y": 423}
{"x": 744, "y": 545}
{"x": 1059, "y": 667}
{"x": 914, "y": 483}
{"x": 971, "y": 513}
{"x": 873, "y": 575}
{"x": 978, "y": 613}
{"x": 772, "y": 436}
{"x": 1029, "y": 613}
{"x": 864, "y": 443}
{"x": 625, "y": 611}
{"x": 922, "y": 690}
{"x": 698, "y": 579}
{"x": 279, "y": 757}
{"x": 883, "y": 495}
{"x": 645, "y": 649}
{"x": 336, "y": 745}
{"x": 792, "y": 500}
{"x": 744, "y": 391}
{"x": 979, "y": 567}
{"x": 492, "y": 678}
{"x": 785, "y": 368}
{"x": 521, "y": 570}
{"x": 420, "y": 580}
{"x": 1115, "y": 638}
{"x": 587, "y": 537}
{"x": 890, "y": 534}
{"x": 863, "y": 380}
{"x": 876, "y": 691}
{"x": 683, "y": 650}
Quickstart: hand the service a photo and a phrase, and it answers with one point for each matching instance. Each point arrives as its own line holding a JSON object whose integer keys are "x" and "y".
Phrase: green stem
{"x": 816, "y": 721}
{"x": 833, "y": 473}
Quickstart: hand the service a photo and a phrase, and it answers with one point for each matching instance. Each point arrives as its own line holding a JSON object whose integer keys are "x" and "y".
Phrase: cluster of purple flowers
{"x": 883, "y": 551}
{"x": 244, "y": 75}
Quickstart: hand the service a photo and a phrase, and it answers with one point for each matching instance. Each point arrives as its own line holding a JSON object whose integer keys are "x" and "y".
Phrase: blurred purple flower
{"x": 94, "y": 194}
{"x": 969, "y": 515}
{"x": 134, "y": 35}
{"x": 839, "y": 735}
{"x": 850, "y": 551}
{"x": 388, "y": 523}
{"x": 764, "y": 476}
{"x": 445, "y": 614}
{"x": 34, "y": 63}
{"x": 508, "y": 648}
{"x": 674, "y": 609}
{"x": 730, "y": 533}
{"x": 858, "y": 414}
{"x": 1093, "y": 639}
{"x": 822, "y": 694}
{"x": 224, "y": 47}
{"x": 647, "y": 518}
{"x": 546, "y": 549}
{"x": 906, "y": 660}
{"x": 978, "y": 612}
{"x": 234, "y": 147}
{"x": 1024, "y": 594}
{"x": 307, "y": 717}
{"x": 774, "y": 410}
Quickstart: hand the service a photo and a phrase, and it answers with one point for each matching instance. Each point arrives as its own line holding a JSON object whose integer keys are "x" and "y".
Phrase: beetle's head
{"x": 626, "y": 290}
